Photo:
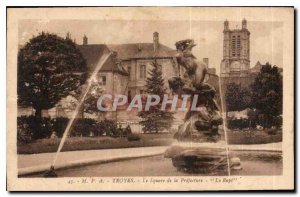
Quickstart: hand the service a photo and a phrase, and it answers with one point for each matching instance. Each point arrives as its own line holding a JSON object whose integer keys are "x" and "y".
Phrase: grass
{"x": 92, "y": 143}
{"x": 159, "y": 139}
{"x": 253, "y": 137}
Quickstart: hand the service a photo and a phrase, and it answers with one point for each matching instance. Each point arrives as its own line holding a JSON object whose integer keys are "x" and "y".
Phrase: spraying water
{"x": 224, "y": 125}
{"x": 81, "y": 100}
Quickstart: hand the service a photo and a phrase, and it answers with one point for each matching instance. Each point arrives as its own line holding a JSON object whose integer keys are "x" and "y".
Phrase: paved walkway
{"x": 34, "y": 163}
{"x": 40, "y": 162}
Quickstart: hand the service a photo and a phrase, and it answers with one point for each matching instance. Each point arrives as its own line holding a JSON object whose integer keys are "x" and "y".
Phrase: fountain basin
{"x": 195, "y": 158}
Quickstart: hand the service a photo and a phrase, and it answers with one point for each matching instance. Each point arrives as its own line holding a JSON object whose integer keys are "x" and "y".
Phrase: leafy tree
{"x": 49, "y": 68}
{"x": 89, "y": 104}
{"x": 237, "y": 98}
{"x": 267, "y": 95}
{"x": 155, "y": 119}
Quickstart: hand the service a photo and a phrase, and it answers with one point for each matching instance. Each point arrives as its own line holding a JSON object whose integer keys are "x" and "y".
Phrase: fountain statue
{"x": 200, "y": 126}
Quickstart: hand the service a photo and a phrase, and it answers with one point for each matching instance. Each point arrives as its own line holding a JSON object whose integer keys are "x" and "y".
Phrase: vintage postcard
{"x": 150, "y": 98}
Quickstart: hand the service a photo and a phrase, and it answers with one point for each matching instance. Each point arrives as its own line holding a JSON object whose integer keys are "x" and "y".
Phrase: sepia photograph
{"x": 150, "y": 98}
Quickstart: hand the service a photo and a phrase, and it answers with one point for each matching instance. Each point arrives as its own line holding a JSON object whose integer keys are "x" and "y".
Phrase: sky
{"x": 266, "y": 42}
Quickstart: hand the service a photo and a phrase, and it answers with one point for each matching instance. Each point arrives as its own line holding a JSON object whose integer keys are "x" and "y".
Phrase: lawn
{"x": 253, "y": 137}
{"x": 159, "y": 139}
{"x": 91, "y": 143}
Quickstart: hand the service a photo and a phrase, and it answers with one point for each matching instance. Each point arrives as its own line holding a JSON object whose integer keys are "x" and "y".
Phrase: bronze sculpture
{"x": 200, "y": 125}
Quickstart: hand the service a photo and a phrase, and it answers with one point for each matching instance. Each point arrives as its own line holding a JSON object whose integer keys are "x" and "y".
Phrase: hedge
{"x": 32, "y": 128}
{"x": 251, "y": 123}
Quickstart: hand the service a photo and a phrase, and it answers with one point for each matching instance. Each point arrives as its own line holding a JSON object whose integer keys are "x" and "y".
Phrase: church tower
{"x": 236, "y": 51}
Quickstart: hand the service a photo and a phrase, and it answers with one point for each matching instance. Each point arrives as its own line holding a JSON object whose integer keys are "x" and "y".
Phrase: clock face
{"x": 235, "y": 66}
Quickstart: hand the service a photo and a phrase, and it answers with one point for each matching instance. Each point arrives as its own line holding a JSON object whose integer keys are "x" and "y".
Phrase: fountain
{"x": 51, "y": 171}
{"x": 199, "y": 148}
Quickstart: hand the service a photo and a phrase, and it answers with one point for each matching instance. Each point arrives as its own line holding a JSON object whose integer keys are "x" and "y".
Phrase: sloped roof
{"x": 92, "y": 54}
{"x": 141, "y": 51}
{"x": 257, "y": 67}
{"x": 113, "y": 64}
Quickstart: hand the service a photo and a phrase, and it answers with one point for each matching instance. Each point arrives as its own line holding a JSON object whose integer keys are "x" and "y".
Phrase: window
{"x": 142, "y": 71}
{"x": 129, "y": 71}
{"x": 238, "y": 46}
{"x": 103, "y": 80}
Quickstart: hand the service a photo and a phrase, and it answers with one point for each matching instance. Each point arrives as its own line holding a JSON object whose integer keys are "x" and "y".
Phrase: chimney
{"x": 155, "y": 41}
{"x": 85, "y": 40}
{"x": 206, "y": 61}
{"x": 244, "y": 24}
{"x": 226, "y": 25}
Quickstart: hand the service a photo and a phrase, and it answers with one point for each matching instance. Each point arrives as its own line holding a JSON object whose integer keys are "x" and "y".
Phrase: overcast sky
{"x": 266, "y": 42}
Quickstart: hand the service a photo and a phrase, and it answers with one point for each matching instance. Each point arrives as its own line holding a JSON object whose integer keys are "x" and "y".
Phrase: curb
{"x": 79, "y": 163}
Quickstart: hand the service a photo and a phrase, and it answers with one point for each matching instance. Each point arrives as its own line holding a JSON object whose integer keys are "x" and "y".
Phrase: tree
{"x": 155, "y": 119}
{"x": 237, "y": 98}
{"x": 89, "y": 104}
{"x": 49, "y": 68}
{"x": 267, "y": 95}
{"x": 91, "y": 99}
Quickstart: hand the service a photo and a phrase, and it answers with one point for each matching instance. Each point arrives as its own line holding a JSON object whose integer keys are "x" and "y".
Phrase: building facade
{"x": 137, "y": 59}
{"x": 125, "y": 72}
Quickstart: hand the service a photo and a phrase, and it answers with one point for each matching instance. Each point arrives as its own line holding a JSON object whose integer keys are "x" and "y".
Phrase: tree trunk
{"x": 80, "y": 112}
{"x": 38, "y": 113}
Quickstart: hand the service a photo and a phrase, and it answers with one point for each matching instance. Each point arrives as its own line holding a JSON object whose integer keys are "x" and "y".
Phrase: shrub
{"x": 108, "y": 127}
{"x": 24, "y": 134}
{"x": 59, "y": 125}
{"x": 128, "y": 130}
{"x": 238, "y": 123}
{"x": 133, "y": 137}
{"x": 272, "y": 131}
{"x": 83, "y": 127}
{"x": 37, "y": 127}
{"x": 33, "y": 128}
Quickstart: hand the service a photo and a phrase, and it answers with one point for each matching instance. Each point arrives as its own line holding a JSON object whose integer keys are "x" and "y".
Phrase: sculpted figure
{"x": 200, "y": 125}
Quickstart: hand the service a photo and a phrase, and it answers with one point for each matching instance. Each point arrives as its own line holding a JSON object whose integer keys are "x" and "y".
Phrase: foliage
{"x": 33, "y": 128}
{"x": 24, "y": 134}
{"x": 155, "y": 119}
{"x": 133, "y": 137}
{"x": 90, "y": 101}
{"x": 89, "y": 104}
{"x": 83, "y": 127}
{"x": 49, "y": 68}
{"x": 253, "y": 137}
{"x": 108, "y": 127}
{"x": 238, "y": 123}
{"x": 267, "y": 95}
{"x": 36, "y": 127}
{"x": 237, "y": 98}
{"x": 128, "y": 130}
{"x": 59, "y": 125}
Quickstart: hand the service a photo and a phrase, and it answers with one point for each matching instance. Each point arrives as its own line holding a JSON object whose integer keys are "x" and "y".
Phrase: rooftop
{"x": 141, "y": 51}
{"x": 92, "y": 54}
